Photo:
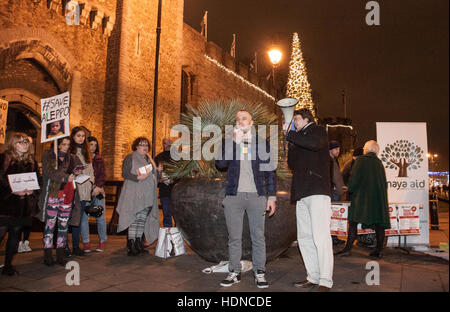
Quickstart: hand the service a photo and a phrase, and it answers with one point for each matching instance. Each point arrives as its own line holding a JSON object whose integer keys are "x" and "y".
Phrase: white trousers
{"x": 314, "y": 238}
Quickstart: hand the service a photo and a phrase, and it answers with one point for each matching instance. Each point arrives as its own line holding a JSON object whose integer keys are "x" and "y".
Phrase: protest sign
{"x": 23, "y": 181}
{"x": 408, "y": 219}
{"x": 338, "y": 224}
{"x": 55, "y": 117}
{"x": 394, "y": 223}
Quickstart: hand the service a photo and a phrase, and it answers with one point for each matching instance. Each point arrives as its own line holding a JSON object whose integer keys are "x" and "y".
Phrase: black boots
{"x": 347, "y": 251}
{"x": 60, "y": 256}
{"x": 48, "y": 258}
{"x": 132, "y": 248}
{"x": 78, "y": 252}
{"x": 9, "y": 270}
{"x": 140, "y": 247}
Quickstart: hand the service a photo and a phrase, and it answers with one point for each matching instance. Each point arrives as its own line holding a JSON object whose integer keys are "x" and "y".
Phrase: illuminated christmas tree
{"x": 298, "y": 86}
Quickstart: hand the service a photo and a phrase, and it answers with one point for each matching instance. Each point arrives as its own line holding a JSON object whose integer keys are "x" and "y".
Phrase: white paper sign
{"x": 23, "y": 181}
{"x": 55, "y": 117}
{"x": 81, "y": 178}
{"x": 338, "y": 224}
{"x": 408, "y": 219}
{"x": 394, "y": 222}
{"x": 143, "y": 170}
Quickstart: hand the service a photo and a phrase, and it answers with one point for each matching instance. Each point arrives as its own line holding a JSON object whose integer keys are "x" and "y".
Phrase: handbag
{"x": 170, "y": 243}
{"x": 94, "y": 209}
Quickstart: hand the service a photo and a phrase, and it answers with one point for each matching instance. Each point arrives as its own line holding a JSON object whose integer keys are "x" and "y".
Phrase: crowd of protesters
{"x": 66, "y": 199}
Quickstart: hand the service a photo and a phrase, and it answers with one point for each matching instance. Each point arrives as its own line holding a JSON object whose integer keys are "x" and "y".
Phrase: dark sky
{"x": 397, "y": 71}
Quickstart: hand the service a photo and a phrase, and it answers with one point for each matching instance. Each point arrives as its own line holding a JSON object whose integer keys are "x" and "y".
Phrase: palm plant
{"x": 221, "y": 113}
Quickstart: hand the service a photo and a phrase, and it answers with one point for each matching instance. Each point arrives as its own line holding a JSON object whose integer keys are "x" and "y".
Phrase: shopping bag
{"x": 222, "y": 267}
{"x": 170, "y": 243}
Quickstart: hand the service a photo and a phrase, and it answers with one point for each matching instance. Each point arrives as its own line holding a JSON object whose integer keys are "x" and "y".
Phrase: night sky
{"x": 397, "y": 71}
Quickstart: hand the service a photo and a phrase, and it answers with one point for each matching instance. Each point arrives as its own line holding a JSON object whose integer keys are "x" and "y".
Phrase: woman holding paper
{"x": 16, "y": 207}
{"x": 138, "y": 202}
{"x": 79, "y": 148}
{"x": 57, "y": 196}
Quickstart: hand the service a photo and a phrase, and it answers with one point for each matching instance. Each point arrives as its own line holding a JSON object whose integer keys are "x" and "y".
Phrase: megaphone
{"x": 287, "y": 106}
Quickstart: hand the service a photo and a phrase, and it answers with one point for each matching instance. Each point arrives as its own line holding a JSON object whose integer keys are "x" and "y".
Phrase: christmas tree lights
{"x": 298, "y": 86}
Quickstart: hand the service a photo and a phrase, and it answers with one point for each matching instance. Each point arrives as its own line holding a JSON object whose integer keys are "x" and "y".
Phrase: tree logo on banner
{"x": 402, "y": 155}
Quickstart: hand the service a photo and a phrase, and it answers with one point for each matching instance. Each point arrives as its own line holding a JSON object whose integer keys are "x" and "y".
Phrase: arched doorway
{"x": 31, "y": 69}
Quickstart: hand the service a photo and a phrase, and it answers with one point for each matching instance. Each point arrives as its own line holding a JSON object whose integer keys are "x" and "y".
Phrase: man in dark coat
{"x": 309, "y": 159}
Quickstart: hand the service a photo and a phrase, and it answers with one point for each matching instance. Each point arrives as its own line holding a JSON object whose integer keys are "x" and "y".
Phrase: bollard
{"x": 434, "y": 213}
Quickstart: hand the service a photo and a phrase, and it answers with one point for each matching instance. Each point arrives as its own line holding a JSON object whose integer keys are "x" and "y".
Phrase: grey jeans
{"x": 235, "y": 207}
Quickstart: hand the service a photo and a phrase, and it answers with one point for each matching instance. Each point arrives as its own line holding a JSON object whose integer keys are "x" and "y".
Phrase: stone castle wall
{"x": 108, "y": 65}
{"x": 210, "y": 66}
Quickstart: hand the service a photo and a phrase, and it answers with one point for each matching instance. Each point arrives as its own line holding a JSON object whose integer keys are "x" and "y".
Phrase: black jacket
{"x": 12, "y": 205}
{"x": 164, "y": 189}
{"x": 309, "y": 159}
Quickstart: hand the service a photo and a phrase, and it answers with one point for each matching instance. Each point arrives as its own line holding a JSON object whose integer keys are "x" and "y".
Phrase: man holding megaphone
{"x": 309, "y": 159}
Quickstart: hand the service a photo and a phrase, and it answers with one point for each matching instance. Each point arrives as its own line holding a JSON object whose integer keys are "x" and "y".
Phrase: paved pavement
{"x": 113, "y": 271}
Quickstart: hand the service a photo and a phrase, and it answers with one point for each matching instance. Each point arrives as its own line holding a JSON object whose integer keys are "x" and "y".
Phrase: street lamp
{"x": 275, "y": 56}
{"x": 431, "y": 157}
{"x": 155, "y": 88}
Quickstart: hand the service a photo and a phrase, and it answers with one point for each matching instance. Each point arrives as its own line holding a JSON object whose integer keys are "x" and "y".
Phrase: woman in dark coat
{"x": 369, "y": 205}
{"x": 16, "y": 208}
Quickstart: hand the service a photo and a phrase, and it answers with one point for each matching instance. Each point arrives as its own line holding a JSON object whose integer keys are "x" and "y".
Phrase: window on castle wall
{"x": 92, "y": 15}
{"x": 63, "y": 7}
{"x": 184, "y": 91}
{"x": 138, "y": 44}
{"x": 105, "y": 21}
{"x": 192, "y": 81}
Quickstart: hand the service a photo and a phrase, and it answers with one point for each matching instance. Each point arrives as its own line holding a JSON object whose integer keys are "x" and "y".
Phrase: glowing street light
{"x": 275, "y": 56}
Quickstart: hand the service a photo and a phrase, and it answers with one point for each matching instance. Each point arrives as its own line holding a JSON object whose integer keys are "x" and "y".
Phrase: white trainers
{"x": 20, "y": 249}
{"x": 26, "y": 246}
{"x": 260, "y": 279}
{"x": 231, "y": 279}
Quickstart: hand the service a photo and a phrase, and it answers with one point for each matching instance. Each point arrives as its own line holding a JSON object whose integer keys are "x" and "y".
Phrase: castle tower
{"x": 129, "y": 103}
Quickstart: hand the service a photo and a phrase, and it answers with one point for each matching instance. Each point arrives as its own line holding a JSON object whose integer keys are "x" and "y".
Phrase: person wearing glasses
{"x": 16, "y": 208}
{"x": 138, "y": 201}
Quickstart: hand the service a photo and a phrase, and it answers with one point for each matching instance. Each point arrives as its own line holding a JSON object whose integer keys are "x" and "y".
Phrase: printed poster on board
{"x": 408, "y": 219}
{"x": 55, "y": 117}
{"x": 394, "y": 222}
{"x": 338, "y": 224}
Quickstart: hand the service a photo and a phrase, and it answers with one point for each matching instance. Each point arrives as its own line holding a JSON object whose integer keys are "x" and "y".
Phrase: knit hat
{"x": 333, "y": 145}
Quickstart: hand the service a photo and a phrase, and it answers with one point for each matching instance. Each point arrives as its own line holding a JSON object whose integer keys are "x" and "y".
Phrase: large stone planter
{"x": 198, "y": 212}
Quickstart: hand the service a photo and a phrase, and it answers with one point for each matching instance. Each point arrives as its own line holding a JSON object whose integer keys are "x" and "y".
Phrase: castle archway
{"x": 33, "y": 65}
